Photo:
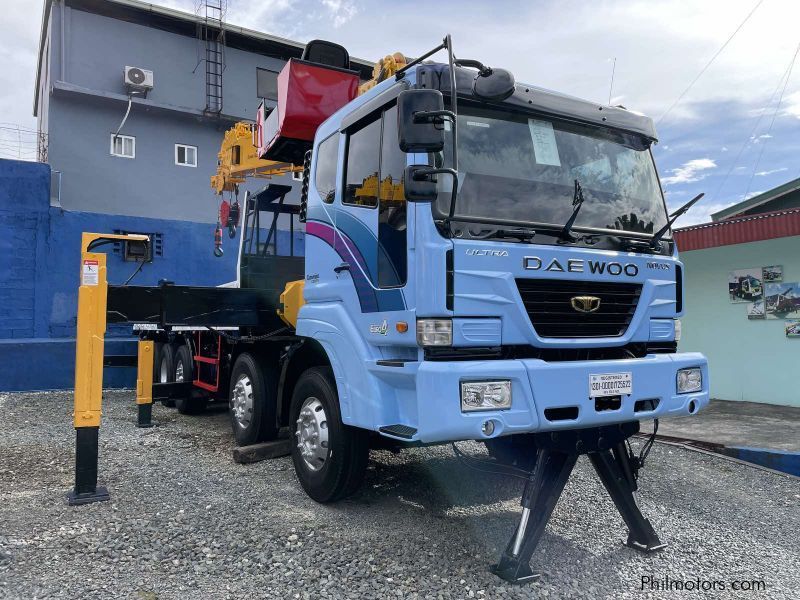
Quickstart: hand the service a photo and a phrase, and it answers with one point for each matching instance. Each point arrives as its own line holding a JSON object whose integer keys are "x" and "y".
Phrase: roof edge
{"x": 762, "y": 198}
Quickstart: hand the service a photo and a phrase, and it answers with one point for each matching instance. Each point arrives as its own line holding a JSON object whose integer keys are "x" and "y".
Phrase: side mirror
{"x": 419, "y": 183}
{"x": 419, "y": 118}
{"x": 497, "y": 84}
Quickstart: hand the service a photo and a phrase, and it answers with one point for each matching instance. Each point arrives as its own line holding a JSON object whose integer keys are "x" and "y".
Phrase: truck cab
{"x": 474, "y": 317}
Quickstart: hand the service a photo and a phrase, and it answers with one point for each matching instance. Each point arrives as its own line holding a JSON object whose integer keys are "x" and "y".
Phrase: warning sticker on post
{"x": 544, "y": 143}
{"x": 91, "y": 272}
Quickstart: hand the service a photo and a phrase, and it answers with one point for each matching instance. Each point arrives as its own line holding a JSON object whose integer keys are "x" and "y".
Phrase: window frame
{"x": 374, "y": 117}
{"x": 386, "y": 108}
{"x": 337, "y": 177}
{"x": 185, "y": 164}
{"x": 122, "y": 137}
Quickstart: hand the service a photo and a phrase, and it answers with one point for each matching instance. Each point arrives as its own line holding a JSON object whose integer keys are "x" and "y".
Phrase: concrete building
{"x": 153, "y": 178}
{"x": 751, "y": 357}
{"x": 161, "y": 167}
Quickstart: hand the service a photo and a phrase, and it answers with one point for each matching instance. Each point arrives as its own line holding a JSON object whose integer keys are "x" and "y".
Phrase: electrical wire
{"x": 491, "y": 467}
{"x": 772, "y": 122}
{"x": 752, "y": 134}
{"x": 125, "y": 118}
{"x": 135, "y": 273}
{"x": 708, "y": 64}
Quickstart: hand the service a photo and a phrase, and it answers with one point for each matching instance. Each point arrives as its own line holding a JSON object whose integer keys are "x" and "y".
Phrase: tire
{"x": 157, "y": 350}
{"x": 165, "y": 367}
{"x": 184, "y": 371}
{"x": 332, "y": 471}
{"x": 253, "y": 399}
{"x": 517, "y": 450}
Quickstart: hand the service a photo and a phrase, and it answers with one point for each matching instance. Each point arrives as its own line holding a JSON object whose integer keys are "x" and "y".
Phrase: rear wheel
{"x": 165, "y": 367}
{"x": 253, "y": 399}
{"x": 517, "y": 450}
{"x": 184, "y": 372}
{"x": 330, "y": 458}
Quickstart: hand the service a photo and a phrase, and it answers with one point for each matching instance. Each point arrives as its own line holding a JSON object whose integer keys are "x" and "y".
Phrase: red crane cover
{"x": 308, "y": 93}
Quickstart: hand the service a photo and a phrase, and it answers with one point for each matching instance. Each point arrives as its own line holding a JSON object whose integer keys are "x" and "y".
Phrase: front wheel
{"x": 330, "y": 458}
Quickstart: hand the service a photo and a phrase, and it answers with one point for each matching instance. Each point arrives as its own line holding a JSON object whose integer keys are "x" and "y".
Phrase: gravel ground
{"x": 184, "y": 521}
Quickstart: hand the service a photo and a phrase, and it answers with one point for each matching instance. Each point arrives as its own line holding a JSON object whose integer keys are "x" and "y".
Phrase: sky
{"x": 729, "y": 136}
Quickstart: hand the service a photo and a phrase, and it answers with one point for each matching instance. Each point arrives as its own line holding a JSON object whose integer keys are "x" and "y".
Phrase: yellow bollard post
{"x": 144, "y": 384}
{"x": 89, "y": 347}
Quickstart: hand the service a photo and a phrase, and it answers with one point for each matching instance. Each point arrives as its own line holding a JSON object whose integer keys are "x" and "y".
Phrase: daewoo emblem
{"x": 585, "y": 304}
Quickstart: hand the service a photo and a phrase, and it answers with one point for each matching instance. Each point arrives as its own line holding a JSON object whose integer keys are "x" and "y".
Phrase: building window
{"x": 186, "y": 156}
{"x": 123, "y": 145}
{"x": 267, "y": 84}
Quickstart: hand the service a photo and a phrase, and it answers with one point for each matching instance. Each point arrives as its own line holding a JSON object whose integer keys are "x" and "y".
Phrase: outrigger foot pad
{"x": 556, "y": 455}
{"x": 144, "y": 416}
{"x": 100, "y": 494}
{"x": 513, "y": 572}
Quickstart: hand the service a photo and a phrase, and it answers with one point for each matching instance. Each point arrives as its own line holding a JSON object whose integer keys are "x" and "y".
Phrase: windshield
{"x": 519, "y": 167}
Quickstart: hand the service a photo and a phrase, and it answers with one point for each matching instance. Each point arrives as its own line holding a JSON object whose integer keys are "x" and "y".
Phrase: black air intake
{"x": 549, "y": 306}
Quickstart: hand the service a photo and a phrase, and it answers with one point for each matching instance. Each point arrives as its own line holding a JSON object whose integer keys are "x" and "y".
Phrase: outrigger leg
{"x": 557, "y": 454}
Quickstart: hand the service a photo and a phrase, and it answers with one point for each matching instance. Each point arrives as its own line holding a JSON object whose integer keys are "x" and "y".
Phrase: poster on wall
{"x": 755, "y": 310}
{"x": 772, "y": 274}
{"x": 793, "y": 328}
{"x": 782, "y": 300}
{"x": 744, "y": 285}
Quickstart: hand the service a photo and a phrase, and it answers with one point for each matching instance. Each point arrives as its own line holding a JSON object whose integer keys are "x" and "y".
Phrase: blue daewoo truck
{"x": 493, "y": 264}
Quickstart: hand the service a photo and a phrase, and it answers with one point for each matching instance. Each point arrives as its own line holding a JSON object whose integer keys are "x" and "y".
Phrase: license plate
{"x": 610, "y": 384}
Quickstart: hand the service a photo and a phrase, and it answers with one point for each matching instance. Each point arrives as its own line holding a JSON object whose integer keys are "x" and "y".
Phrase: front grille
{"x": 547, "y": 302}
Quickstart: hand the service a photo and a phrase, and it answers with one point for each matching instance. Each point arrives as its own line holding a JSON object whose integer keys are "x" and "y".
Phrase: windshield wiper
{"x": 577, "y": 202}
{"x": 655, "y": 241}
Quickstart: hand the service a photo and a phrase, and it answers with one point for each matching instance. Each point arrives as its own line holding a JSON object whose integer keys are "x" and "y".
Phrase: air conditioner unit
{"x": 139, "y": 80}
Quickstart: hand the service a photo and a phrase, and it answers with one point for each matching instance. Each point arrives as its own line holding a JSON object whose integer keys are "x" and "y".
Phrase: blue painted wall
{"x": 39, "y": 279}
{"x": 750, "y": 360}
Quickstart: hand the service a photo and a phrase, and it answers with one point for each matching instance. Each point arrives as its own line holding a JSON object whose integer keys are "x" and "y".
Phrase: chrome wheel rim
{"x": 179, "y": 372}
{"x": 162, "y": 371}
{"x": 242, "y": 401}
{"x": 312, "y": 434}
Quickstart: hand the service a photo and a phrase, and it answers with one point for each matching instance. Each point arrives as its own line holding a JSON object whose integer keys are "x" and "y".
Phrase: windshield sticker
{"x": 477, "y": 124}
{"x": 544, "y": 143}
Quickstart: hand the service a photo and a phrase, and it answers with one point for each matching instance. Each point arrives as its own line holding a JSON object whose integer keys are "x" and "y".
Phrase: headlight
{"x": 677, "y": 330}
{"x": 435, "y": 332}
{"x": 690, "y": 380}
{"x": 485, "y": 395}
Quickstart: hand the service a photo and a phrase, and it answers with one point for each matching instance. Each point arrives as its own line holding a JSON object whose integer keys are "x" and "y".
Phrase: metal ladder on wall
{"x": 211, "y": 50}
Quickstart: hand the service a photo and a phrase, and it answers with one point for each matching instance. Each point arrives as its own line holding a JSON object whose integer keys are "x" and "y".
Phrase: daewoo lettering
{"x": 578, "y": 265}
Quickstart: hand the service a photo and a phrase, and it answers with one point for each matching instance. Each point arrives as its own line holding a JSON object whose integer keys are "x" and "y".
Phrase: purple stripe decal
{"x": 366, "y": 295}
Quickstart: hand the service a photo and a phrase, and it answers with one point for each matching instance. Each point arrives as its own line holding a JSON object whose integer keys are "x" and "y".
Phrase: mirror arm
{"x": 434, "y": 116}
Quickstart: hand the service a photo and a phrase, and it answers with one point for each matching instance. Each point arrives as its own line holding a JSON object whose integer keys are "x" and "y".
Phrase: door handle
{"x": 342, "y": 267}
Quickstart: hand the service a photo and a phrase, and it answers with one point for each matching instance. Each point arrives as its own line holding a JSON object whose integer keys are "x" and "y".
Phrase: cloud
{"x": 770, "y": 172}
{"x": 793, "y": 105}
{"x": 690, "y": 171}
{"x": 342, "y": 11}
{"x": 751, "y": 194}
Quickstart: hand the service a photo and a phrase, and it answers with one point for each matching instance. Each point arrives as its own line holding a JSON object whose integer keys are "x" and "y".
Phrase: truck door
{"x": 372, "y": 223}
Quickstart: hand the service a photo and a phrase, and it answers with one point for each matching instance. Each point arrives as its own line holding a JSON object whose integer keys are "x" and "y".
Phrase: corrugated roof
{"x": 741, "y": 230}
{"x": 751, "y": 203}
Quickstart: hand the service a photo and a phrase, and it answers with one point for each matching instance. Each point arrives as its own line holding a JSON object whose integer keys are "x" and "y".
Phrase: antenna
{"x": 611, "y": 87}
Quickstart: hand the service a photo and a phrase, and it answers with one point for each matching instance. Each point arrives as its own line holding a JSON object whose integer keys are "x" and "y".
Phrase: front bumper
{"x": 537, "y": 386}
